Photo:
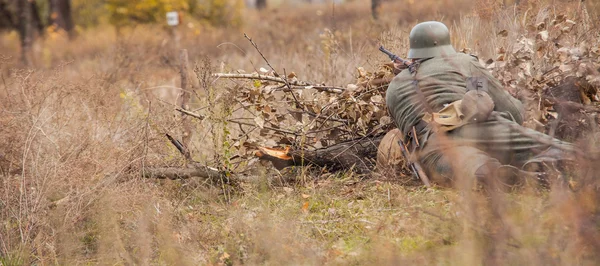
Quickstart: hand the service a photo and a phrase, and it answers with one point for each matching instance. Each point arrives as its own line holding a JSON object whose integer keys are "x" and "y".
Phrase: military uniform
{"x": 472, "y": 149}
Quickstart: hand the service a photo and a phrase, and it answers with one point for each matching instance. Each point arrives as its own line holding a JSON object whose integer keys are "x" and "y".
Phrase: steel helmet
{"x": 430, "y": 39}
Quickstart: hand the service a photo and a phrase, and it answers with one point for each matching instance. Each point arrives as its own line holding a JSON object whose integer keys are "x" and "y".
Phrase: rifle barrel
{"x": 392, "y": 56}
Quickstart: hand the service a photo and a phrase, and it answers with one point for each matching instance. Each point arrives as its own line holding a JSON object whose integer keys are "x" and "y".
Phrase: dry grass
{"x": 77, "y": 128}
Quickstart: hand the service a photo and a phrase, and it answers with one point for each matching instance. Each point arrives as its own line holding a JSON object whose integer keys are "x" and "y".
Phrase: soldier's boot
{"x": 551, "y": 165}
{"x": 505, "y": 178}
{"x": 511, "y": 178}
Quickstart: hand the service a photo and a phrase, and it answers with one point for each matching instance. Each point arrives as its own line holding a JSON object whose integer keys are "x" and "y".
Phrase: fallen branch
{"x": 201, "y": 117}
{"x": 345, "y": 121}
{"x": 180, "y": 147}
{"x": 183, "y": 173}
{"x": 294, "y": 84}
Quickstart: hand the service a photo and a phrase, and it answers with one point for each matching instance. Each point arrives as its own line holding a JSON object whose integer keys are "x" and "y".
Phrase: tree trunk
{"x": 36, "y": 19}
{"x": 25, "y": 30}
{"x": 375, "y": 8}
{"x": 60, "y": 15}
{"x": 6, "y": 17}
{"x": 261, "y": 4}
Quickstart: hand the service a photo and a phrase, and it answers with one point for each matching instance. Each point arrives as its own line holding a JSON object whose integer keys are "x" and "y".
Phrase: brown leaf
{"x": 385, "y": 120}
{"x": 297, "y": 116}
{"x": 361, "y": 72}
{"x": 540, "y": 26}
{"x": 259, "y": 121}
{"x": 543, "y": 35}
{"x": 565, "y": 68}
{"x": 305, "y": 207}
{"x": 351, "y": 87}
{"x": 377, "y": 99}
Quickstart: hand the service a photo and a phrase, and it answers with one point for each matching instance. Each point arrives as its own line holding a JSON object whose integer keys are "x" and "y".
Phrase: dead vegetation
{"x": 79, "y": 129}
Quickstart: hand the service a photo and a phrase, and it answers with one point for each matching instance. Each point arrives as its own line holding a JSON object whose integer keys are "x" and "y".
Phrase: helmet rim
{"x": 438, "y": 51}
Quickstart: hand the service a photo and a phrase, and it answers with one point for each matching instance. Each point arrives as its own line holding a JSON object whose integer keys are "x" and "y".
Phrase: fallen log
{"x": 358, "y": 155}
{"x": 194, "y": 168}
{"x": 361, "y": 155}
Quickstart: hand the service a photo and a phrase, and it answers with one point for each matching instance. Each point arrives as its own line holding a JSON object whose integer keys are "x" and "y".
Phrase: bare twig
{"x": 266, "y": 127}
{"x": 146, "y": 141}
{"x": 329, "y": 118}
{"x": 284, "y": 78}
{"x": 186, "y": 112}
{"x": 182, "y": 149}
{"x": 201, "y": 117}
{"x": 261, "y": 54}
{"x": 186, "y": 133}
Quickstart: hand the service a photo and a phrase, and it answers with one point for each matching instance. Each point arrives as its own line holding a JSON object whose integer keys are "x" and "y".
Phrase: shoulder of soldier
{"x": 471, "y": 61}
{"x": 400, "y": 80}
{"x": 460, "y": 61}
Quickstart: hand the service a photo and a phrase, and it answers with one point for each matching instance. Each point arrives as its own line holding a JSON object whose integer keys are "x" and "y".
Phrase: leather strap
{"x": 412, "y": 141}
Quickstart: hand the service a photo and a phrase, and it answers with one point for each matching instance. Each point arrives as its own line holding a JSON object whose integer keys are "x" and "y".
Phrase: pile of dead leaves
{"x": 289, "y": 111}
{"x": 551, "y": 51}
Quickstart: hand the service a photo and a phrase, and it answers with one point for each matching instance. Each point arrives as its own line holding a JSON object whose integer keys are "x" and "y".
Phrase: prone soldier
{"x": 456, "y": 119}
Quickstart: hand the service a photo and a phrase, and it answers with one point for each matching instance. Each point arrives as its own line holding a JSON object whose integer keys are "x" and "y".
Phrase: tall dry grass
{"x": 78, "y": 127}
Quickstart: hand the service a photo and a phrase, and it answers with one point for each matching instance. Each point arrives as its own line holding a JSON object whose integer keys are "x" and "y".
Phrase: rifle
{"x": 415, "y": 167}
{"x": 394, "y": 57}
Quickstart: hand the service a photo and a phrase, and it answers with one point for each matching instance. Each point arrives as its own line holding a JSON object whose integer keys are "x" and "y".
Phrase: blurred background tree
{"x": 218, "y": 13}
{"x": 375, "y": 8}
{"x": 31, "y": 18}
{"x": 7, "y": 19}
{"x": 24, "y": 17}
{"x": 261, "y": 4}
{"x": 215, "y": 12}
{"x": 89, "y": 13}
{"x": 61, "y": 16}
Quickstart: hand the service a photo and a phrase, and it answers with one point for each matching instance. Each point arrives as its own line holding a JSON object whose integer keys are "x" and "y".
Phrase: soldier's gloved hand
{"x": 398, "y": 67}
{"x": 476, "y": 106}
